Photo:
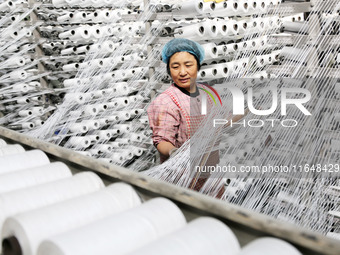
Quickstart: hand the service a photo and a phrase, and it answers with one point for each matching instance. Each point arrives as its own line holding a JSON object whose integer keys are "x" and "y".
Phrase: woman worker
{"x": 176, "y": 113}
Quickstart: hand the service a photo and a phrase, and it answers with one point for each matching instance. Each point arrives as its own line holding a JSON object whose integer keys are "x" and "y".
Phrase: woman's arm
{"x": 164, "y": 149}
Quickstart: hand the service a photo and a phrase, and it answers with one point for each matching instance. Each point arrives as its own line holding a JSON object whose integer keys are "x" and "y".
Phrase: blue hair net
{"x": 181, "y": 44}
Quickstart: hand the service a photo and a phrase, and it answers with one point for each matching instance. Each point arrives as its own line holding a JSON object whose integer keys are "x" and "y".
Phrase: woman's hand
{"x": 164, "y": 149}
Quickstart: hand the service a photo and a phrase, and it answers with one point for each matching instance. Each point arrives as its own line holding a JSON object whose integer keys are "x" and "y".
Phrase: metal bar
{"x": 302, "y": 237}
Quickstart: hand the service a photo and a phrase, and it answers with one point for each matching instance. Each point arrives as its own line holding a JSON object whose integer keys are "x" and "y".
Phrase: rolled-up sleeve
{"x": 164, "y": 120}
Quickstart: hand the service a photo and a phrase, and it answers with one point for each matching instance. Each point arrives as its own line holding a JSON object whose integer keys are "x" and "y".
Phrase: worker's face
{"x": 183, "y": 70}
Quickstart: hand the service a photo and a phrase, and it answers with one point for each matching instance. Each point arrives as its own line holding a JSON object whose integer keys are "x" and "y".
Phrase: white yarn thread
{"x": 2, "y": 143}
{"x": 202, "y": 236}
{"x": 11, "y": 149}
{"x": 32, "y": 227}
{"x": 266, "y": 246}
{"x": 135, "y": 227}
{"x": 23, "y": 160}
{"x": 33, "y": 176}
{"x": 23, "y": 200}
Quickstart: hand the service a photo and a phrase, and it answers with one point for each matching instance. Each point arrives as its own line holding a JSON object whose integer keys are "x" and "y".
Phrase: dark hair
{"x": 168, "y": 64}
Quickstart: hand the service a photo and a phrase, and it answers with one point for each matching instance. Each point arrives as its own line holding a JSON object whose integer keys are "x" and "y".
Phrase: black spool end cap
{"x": 11, "y": 246}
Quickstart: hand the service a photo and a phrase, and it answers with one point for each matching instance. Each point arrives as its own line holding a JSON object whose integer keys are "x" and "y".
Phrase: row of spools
{"x": 47, "y": 210}
{"x": 22, "y": 100}
{"x": 68, "y": 37}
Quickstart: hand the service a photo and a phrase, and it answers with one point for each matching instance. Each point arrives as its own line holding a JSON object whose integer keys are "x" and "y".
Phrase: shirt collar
{"x": 195, "y": 94}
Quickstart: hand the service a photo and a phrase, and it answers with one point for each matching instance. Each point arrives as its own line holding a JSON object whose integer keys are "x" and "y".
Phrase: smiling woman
{"x": 176, "y": 113}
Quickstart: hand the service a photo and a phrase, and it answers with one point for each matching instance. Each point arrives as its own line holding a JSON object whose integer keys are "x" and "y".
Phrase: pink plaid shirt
{"x": 166, "y": 119}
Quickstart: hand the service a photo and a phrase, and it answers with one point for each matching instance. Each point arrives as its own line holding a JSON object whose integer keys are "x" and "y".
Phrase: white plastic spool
{"x": 79, "y": 141}
{"x": 134, "y": 112}
{"x": 103, "y": 135}
{"x": 137, "y": 151}
{"x": 221, "y": 29}
{"x": 96, "y": 32}
{"x": 108, "y": 31}
{"x": 125, "y": 128}
{"x": 80, "y": 33}
{"x": 122, "y": 141}
{"x": 20, "y": 88}
{"x": 37, "y": 111}
{"x": 27, "y": 125}
{"x": 210, "y": 50}
{"x": 104, "y": 148}
{"x": 242, "y": 8}
{"x": 120, "y": 116}
{"x": 240, "y": 65}
{"x": 25, "y": 32}
{"x": 78, "y": 128}
{"x": 82, "y": 49}
{"x": 78, "y": 98}
{"x": 266, "y": 246}
{"x": 91, "y": 124}
{"x": 216, "y": 238}
{"x": 192, "y": 8}
{"x": 7, "y": 6}
{"x": 108, "y": 46}
{"x": 226, "y": 8}
{"x": 251, "y": 6}
{"x": 125, "y": 153}
{"x": 11, "y": 149}
{"x": 116, "y": 14}
{"x": 263, "y": 60}
{"x": 211, "y": 26}
{"x": 66, "y": 17}
{"x": 93, "y": 138}
{"x": 262, "y": 6}
{"x": 92, "y": 110}
{"x": 73, "y": 82}
{"x": 31, "y": 228}
{"x": 78, "y": 17}
{"x": 118, "y": 102}
{"x": 38, "y": 122}
{"x": 25, "y": 113}
{"x": 242, "y": 26}
{"x": 103, "y": 122}
{"x": 73, "y": 66}
{"x": 23, "y": 160}
{"x": 18, "y": 75}
{"x": 12, "y": 48}
{"x": 143, "y": 224}
{"x": 103, "y": 16}
{"x": 232, "y": 28}
{"x": 215, "y": 71}
{"x": 10, "y": 34}
{"x": 114, "y": 132}
{"x": 194, "y": 32}
{"x": 33, "y": 176}
{"x": 22, "y": 100}
{"x": 23, "y": 200}
{"x": 15, "y": 62}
